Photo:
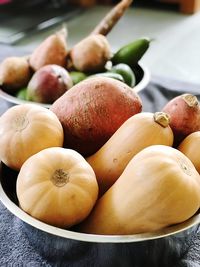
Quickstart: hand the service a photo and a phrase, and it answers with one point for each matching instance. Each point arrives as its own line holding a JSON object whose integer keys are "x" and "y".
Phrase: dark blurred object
{"x": 20, "y": 18}
{"x": 184, "y": 6}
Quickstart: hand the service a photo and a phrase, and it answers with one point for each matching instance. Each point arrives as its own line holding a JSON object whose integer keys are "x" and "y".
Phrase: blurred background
{"x": 174, "y": 26}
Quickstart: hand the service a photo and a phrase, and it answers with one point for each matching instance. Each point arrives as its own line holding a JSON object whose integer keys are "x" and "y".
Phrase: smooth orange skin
{"x": 159, "y": 187}
{"x": 136, "y": 133}
{"x": 190, "y": 146}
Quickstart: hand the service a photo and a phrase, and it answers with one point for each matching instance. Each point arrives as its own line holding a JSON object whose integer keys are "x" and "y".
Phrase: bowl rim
{"x": 137, "y": 88}
{"x": 145, "y": 79}
{"x": 94, "y": 238}
{"x": 17, "y": 101}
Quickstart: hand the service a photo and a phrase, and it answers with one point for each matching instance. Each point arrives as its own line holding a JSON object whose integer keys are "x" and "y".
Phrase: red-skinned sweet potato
{"x": 53, "y": 50}
{"x": 14, "y": 74}
{"x": 91, "y": 53}
{"x": 91, "y": 111}
{"x": 184, "y": 112}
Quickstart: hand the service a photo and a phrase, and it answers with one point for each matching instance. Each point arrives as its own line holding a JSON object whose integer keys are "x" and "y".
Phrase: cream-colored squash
{"x": 159, "y": 187}
{"x": 25, "y": 130}
{"x": 57, "y": 186}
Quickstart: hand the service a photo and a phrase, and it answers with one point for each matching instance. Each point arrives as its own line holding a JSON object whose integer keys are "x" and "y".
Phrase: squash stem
{"x": 162, "y": 118}
{"x": 190, "y": 100}
{"x": 60, "y": 178}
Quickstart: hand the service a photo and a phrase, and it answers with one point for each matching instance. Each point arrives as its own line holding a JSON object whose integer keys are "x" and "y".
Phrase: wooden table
{"x": 186, "y": 6}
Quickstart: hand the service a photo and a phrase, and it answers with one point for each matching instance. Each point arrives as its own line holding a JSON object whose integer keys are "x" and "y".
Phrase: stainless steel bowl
{"x": 60, "y": 246}
{"x": 142, "y": 79}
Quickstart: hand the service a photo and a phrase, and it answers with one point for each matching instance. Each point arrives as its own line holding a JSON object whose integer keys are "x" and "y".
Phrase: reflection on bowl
{"x": 142, "y": 79}
{"x": 59, "y": 245}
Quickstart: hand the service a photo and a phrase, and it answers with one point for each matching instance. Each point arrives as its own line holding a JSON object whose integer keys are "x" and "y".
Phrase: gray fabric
{"x": 15, "y": 249}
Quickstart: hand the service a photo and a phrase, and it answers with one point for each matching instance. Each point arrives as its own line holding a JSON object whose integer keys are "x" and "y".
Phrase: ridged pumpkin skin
{"x": 25, "y": 130}
{"x": 136, "y": 133}
{"x": 159, "y": 187}
{"x": 57, "y": 186}
{"x": 190, "y": 146}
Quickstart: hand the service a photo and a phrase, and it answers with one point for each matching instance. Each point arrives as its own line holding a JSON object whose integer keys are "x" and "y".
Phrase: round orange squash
{"x": 159, "y": 187}
{"x": 25, "y": 130}
{"x": 57, "y": 186}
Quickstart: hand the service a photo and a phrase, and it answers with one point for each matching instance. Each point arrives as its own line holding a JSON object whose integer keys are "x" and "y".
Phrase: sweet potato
{"x": 14, "y": 73}
{"x": 53, "y": 50}
{"x": 184, "y": 112}
{"x": 91, "y": 53}
{"x": 91, "y": 111}
{"x": 112, "y": 17}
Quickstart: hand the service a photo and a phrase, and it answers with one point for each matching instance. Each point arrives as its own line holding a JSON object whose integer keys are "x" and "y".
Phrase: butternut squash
{"x": 139, "y": 131}
{"x": 159, "y": 187}
{"x": 190, "y": 146}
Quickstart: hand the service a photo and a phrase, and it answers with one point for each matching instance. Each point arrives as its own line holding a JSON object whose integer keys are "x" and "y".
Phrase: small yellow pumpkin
{"x": 57, "y": 186}
{"x": 139, "y": 131}
{"x": 159, "y": 187}
{"x": 190, "y": 146}
{"x": 25, "y": 130}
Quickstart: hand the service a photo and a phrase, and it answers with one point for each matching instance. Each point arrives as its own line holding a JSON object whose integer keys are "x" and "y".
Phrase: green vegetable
{"x": 131, "y": 53}
{"x": 109, "y": 74}
{"x": 126, "y": 72}
{"x": 21, "y": 94}
{"x": 77, "y": 76}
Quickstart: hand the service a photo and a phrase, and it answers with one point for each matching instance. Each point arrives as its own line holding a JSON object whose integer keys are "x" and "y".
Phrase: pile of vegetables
{"x": 53, "y": 68}
{"x": 95, "y": 162}
{"x": 86, "y": 164}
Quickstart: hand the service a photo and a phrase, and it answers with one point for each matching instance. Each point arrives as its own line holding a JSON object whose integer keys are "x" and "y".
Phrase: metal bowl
{"x": 142, "y": 79}
{"x": 62, "y": 246}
